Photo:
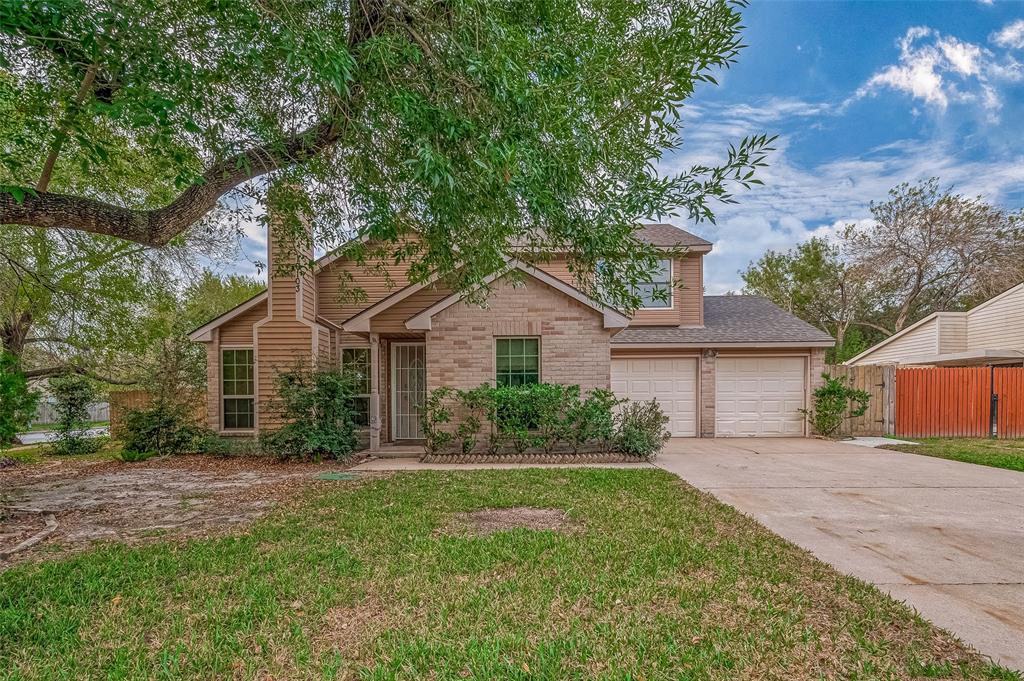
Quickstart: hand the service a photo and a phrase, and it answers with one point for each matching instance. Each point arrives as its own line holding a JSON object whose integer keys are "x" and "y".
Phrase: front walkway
{"x": 413, "y": 464}
{"x": 947, "y": 537}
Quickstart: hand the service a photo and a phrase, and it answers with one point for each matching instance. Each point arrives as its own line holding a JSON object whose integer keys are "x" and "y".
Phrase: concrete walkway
{"x": 411, "y": 464}
{"x": 946, "y": 537}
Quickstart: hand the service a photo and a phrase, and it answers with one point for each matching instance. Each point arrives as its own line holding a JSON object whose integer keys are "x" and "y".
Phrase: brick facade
{"x": 574, "y": 345}
{"x": 707, "y": 391}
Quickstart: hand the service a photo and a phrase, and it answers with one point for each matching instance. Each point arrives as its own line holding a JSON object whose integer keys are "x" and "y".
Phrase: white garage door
{"x": 671, "y": 380}
{"x": 759, "y": 396}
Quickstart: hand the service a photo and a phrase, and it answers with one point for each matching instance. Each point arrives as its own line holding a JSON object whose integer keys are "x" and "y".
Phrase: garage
{"x": 670, "y": 380}
{"x": 759, "y": 396}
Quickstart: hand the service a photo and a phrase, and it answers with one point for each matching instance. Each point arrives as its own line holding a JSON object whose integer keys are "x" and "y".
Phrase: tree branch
{"x": 158, "y": 226}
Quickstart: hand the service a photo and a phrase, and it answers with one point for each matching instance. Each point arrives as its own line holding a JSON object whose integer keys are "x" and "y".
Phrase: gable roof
{"x": 202, "y": 334}
{"x": 613, "y": 319}
{"x": 666, "y": 235}
{"x": 733, "y": 320}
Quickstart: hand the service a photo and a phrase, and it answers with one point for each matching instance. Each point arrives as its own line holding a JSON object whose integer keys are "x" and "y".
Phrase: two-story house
{"x": 718, "y": 365}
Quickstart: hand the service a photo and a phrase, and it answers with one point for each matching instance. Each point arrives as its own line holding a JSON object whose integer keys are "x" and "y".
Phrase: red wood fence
{"x": 958, "y": 402}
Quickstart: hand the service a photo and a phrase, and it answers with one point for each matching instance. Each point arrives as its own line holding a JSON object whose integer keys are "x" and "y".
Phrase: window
{"x": 657, "y": 293}
{"x": 238, "y": 389}
{"x": 517, "y": 361}
{"x": 356, "y": 363}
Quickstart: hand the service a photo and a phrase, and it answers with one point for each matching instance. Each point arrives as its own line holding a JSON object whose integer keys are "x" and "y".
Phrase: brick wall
{"x": 574, "y": 345}
{"x": 707, "y": 392}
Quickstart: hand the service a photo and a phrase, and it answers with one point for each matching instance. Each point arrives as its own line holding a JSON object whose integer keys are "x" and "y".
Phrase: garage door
{"x": 759, "y": 396}
{"x": 672, "y": 381}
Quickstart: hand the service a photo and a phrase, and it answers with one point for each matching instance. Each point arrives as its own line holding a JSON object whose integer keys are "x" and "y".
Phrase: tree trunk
{"x": 13, "y": 333}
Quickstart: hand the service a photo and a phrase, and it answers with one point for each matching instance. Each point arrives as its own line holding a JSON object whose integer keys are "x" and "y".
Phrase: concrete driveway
{"x": 944, "y": 536}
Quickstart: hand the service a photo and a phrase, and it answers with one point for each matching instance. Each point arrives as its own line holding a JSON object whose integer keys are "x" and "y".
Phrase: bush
{"x": 592, "y": 420}
{"x": 17, "y": 401}
{"x": 641, "y": 429}
{"x": 163, "y": 429}
{"x": 436, "y": 415}
{"x": 834, "y": 402}
{"x": 73, "y": 395}
{"x": 129, "y": 456}
{"x": 318, "y": 404}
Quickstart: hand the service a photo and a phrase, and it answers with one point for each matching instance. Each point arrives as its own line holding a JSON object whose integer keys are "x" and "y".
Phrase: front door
{"x": 408, "y": 389}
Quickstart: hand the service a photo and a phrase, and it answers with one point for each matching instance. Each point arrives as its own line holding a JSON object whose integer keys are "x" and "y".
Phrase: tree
{"x": 478, "y": 125}
{"x": 932, "y": 250}
{"x": 17, "y": 401}
{"x": 814, "y": 282}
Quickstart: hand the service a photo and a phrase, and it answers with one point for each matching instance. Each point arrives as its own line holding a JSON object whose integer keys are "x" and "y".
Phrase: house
{"x": 991, "y": 333}
{"x": 718, "y": 365}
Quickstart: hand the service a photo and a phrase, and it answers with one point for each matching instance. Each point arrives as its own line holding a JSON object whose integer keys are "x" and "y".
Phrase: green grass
{"x": 360, "y": 580}
{"x": 38, "y": 453}
{"x": 1007, "y": 454}
{"x": 41, "y": 427}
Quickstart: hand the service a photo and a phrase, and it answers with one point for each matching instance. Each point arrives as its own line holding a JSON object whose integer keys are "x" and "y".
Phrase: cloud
{"x": 1010, "y": 36}
{"x": 940, "y": 69}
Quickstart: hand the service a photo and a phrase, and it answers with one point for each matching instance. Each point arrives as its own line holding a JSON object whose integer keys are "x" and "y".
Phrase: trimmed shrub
{"x": 834, "y": 402}
{"x": 163, "y": 429}
{"x": 592, "y": 421}
{"x": 17, "y": 401}
{"x": 641, "y": 430}
{"x": 436, "y": 415}
{"x": 318, "y": 404}
{"x": 73, "y": 395}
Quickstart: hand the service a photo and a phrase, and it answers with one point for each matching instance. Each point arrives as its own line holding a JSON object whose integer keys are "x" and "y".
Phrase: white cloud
{"x": 940, "y": 69}
{"x": 1010, "y": 36}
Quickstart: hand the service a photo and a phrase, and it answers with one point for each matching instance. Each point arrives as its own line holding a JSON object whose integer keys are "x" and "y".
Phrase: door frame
{"x": 394, "y": 383}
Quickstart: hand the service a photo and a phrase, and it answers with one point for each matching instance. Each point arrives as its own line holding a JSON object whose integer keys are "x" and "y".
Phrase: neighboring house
{"x": 718, "y": 365}
{"x": 991, "y": 333}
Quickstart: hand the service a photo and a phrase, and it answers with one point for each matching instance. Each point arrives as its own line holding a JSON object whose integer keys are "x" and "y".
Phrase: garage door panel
{"x": 759, "y": 396}
{"x": 670, "y": 381}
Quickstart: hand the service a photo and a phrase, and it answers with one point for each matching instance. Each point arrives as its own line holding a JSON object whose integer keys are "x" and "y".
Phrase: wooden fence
{"x": 879, "y": 383}
{"x": 125, "y": 401}
{"x": 960, "y": 402}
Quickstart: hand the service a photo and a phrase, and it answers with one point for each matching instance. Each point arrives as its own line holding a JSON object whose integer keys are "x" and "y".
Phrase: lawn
{"x": 374, "y": 579}
{"x": 1007, "y": 454}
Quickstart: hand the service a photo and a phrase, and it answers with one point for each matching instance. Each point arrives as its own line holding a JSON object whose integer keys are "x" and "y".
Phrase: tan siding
{"x": 998, "y": 324}
{"x": 574, "y": 344}
{"x": 238, "y": 331}
{"x": 392, "y": 320}
{"x": 377, "y": 280}
{"x": 952, "y": 333}
{"x": 921, "y": 341}
{"x": 281, "y": 344}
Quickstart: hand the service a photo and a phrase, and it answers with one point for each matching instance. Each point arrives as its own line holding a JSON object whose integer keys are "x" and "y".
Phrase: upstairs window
{"x": 517, "y": 361}
{"x": 238, "y": 389}
{"x": 657, "y": 294}
{"x": 355, "y": 362}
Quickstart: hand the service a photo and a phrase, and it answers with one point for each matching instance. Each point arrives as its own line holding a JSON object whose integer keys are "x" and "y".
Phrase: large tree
{"x": 478, "y": 124}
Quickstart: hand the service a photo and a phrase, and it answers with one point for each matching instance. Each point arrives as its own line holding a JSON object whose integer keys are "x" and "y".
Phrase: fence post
{"x": 889, "y": 396}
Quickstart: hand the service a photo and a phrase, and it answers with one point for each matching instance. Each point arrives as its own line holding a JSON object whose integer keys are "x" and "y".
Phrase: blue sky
{"x": 863, "y": 96}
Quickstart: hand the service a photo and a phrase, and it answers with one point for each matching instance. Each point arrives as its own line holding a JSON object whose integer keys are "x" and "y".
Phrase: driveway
{"x": 944, "y": 536}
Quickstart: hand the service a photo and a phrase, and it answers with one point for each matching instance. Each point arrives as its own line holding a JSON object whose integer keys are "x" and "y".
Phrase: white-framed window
{"x": 356, "y": 363}
{"x": 657, "y": 293}
{"x": 238, "y": 389}
{"x": 516, "y": 361}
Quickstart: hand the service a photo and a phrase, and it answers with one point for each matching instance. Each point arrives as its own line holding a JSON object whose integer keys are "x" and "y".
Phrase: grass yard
{"x": 1007, "y": 454}
{"x": 375, "y": 579}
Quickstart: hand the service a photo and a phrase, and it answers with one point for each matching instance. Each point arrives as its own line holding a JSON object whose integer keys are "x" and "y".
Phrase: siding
{"x": 238, "y": 331}
{"x": 921, "y": 341}
{"x": 998, "y": 324}
{"x": 392, "y": 320}
{"x": 952, "y": 332}
{"x": 377, "y": 280}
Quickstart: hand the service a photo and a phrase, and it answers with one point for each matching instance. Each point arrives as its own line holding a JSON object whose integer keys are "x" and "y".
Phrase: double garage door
{"x": 754, "y": 396}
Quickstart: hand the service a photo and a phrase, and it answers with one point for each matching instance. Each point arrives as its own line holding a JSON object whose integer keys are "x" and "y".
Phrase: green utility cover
{"x": 336, "y": 475}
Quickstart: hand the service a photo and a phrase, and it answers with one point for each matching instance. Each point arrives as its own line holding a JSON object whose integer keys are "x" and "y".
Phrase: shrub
{"x": 436, "y": 415}
{"x": 73, "y": 395}
{"x": 592, "y": 420}
{"x": 834, "y": 402}
{"x": 318, "y": 404}
{"x": 641, "y": 430}
{"x": 17, "y": 401}
{"x": 129, "y": 456}
{"x": 473, "y": 407}
{"x": 163, "y": 429}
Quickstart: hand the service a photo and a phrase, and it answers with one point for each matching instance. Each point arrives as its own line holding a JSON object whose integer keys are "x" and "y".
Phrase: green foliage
{"x": 477, "y": 125}
{"x": 641, "y": 429}
{"x": 73, "y": 395}
{"x": 132, "y": 456}
{"x": 436, "y": 415}
{"x": 17, "y": 401}
{"x": 317, "y": 403}
{"x": 592, "y": 420}
{"x": 164, "y": 428}
{"x": 834, "y": 402}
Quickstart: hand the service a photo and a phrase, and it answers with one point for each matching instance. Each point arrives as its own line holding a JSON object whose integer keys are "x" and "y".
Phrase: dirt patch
{"x": 175, "y": 496}
{"x": 490, "y": 520}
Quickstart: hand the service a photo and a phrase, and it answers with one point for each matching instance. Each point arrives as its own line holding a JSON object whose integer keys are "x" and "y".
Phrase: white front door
{"x": 672, "y": 381}
{"x": 759, "y": 396}
{"x": 408, "y": 389}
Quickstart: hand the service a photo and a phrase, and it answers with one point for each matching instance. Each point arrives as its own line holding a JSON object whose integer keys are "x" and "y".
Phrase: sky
{"x": 863, "y": 96}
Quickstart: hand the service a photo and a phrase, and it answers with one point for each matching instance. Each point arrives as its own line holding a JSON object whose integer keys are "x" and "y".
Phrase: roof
{"x": 202, "y": 333}
{"x": 732, "y": 320}
{"x": 664, "y": 234}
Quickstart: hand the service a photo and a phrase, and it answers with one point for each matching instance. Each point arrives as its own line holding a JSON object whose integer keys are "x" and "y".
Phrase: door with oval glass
{"x": 408, "y": 389}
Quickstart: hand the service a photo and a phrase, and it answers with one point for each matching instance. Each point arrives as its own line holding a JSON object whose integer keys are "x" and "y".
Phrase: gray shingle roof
{"x": 731, "y": 319}
{"x": 669, "y": 235}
